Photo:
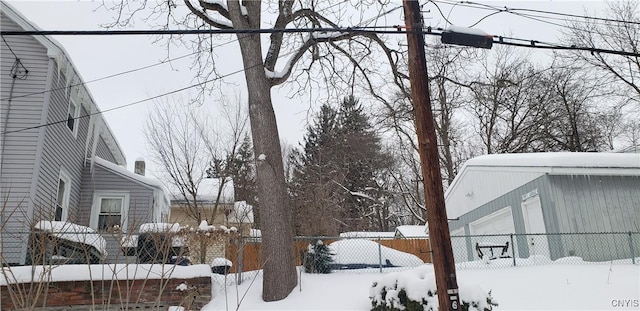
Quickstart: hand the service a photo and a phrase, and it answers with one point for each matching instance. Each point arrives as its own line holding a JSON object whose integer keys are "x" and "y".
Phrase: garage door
{"x": 498, "y": 225}
{"x": 500, "y": 222}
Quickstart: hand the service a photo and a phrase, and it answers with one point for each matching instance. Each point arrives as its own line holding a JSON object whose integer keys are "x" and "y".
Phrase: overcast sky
{"x": 99, "y": 56}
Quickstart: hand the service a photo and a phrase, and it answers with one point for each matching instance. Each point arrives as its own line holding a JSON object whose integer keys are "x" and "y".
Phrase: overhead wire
{"x": 499, "y": 40}
{"x": 135, "y": 69}
{"x": 538, "y": 18}
{"x": 142, "y": 100}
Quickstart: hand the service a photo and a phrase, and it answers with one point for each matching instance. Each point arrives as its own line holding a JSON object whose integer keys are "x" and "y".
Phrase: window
{"x": 62, "y": 197}
{"x": 72, "y": 116}
{"x": 110, "y": 213}
{"x": 109, "y": 210}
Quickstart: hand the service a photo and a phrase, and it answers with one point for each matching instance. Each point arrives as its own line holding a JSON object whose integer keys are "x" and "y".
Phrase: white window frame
{"x": 97, "y": 200}
{"x": 64, "y": 176}
{"x": 76, "y": 121}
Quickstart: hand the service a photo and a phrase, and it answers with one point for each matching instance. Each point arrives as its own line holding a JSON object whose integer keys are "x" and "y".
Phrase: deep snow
{"x": 553, "y": 286}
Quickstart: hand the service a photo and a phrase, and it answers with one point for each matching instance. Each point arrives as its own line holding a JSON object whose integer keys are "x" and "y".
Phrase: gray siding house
{"x": 547, "y": 194}
{"x": 59, "y": 160}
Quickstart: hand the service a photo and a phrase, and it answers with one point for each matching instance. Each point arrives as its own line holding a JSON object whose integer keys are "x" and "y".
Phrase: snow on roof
{"x": 75, "y": 233}
{"x": 163, "y": 199}
{"x": 128, "y": 174}
{"x": 159, "y": 227}
{"x": 367, "y": 234}
{"x": 559, "y": 159}
{"x": 208, "y": 191}
{"x": 410, "y": 231}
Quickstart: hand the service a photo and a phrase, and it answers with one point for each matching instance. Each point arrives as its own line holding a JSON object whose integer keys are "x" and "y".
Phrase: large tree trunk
{"x": 275, "y": 215}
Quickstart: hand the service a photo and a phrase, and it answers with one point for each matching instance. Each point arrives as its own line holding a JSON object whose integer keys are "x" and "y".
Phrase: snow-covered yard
{"x": 550, "y": 286}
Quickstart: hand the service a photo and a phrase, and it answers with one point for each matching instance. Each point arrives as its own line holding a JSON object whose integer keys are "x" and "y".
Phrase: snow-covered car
{"x": 59, "y": 242}
{"x": 157, "y": 243}
{"x": 361, "y": 253}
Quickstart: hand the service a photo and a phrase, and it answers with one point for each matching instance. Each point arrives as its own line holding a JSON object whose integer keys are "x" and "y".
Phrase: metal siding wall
{"x": 61, "y": 150}
{"x": 103, "y": 151}
{"x": 486, "y": 185}
{"x": 596, "y": 204}
{"x": 514, "y": 199}
{"x": 19, "y": 155}
{"x": 140, "y": 196}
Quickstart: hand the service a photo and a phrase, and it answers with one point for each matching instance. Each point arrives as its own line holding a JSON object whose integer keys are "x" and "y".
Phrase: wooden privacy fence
{"x": 250, "y": 253}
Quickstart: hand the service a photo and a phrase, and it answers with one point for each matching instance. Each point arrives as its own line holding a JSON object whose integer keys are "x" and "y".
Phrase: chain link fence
{"x": 228, "y": 252}
{"x": 470, "y": 252}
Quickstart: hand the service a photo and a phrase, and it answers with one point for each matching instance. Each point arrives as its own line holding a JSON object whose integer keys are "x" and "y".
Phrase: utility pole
{"x": 439, "y": 238}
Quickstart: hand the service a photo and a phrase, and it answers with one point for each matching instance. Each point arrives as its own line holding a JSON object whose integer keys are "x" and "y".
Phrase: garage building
{"x": 546, "y": 194}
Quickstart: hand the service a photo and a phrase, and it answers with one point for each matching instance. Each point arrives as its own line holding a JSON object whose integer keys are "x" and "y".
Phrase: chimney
{"x": 138, "y": 167}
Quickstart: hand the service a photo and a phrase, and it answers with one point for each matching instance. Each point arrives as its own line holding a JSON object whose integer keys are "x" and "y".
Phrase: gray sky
{"x": 99, "y": 56}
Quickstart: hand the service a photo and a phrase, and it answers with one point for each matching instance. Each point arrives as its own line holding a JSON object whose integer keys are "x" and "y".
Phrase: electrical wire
{"x": 498, "y": 40}
{"x": 117, "y": 74}
{"x": 144, "y": 67}
{"x": 538, "y": 18}
{"x": 142, "y": 100}
{"x": 472, "y": 4}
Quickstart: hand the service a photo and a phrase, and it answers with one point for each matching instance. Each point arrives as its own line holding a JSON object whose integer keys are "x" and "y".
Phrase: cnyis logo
{"x": 625, "y": 303}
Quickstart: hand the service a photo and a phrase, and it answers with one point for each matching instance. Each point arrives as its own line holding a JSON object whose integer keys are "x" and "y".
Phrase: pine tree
{"x": 318, "y": 258}
{"x": 334, "y": 179}
{"x": 244, "y": 178}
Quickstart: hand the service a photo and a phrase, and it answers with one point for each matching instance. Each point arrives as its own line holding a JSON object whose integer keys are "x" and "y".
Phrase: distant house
{"x": 182, "y": 213}
{"x": 59, "y": 159}
{"x": 411, "y": 231}
{"x": 545, "y": 193}
{"x": 228, "y": 214}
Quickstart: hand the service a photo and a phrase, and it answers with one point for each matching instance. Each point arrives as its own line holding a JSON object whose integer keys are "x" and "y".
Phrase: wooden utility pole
{"x": 439, "y": 238}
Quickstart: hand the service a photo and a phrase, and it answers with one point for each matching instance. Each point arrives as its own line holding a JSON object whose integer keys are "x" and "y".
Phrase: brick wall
{"x": 152, "y": 294}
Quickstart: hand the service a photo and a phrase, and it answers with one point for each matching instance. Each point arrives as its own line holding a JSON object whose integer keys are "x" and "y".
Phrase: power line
{"x": 476, "y": 5}
{"x": 324, "y": 31}
{"x": 429, "y": 31}
{"x": 118, "y": 74}
{"x": 141, "y": 101}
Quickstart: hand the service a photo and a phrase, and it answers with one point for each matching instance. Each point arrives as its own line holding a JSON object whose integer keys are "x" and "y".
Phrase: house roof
{"x": 56, "y": 51}
{"x": 487, "y": 177}
{"x": 412, "y": 231}
{"x": 163, "y": 204}
{"x": 554, "y": 163}
{"x": 208, "y": 192}
{"x": 558, "y": 159}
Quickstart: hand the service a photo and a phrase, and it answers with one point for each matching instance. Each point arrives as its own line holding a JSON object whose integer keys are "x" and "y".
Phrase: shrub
{"x": 415, "y": 290}
{"x": 318, "y": 258}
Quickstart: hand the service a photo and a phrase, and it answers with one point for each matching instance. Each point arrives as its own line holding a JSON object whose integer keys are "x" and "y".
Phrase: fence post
{"x": 240, "y": 259}
{"x": 513, "y": 250}
{"x": 633, "y": 255}
{"x": 380, "y": 253}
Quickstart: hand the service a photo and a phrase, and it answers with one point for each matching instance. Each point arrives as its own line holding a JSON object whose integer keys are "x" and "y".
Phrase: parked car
{"x": 157, "y": 243}
{"x": 59, "y": 242}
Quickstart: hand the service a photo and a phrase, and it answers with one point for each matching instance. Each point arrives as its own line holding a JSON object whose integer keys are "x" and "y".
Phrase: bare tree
{"x": 575, "y": 115}
{"x": 188, "y": 150}
{"x": 177, "y": 147}
{"x": 619, "y": 32}
{"x": 506, "y": 96}
{"x": 329, "y": 58}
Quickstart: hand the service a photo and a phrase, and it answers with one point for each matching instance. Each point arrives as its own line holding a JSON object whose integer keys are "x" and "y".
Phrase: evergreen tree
{"x": 334, "y": 182}
{"x": 318, "y": 258}
{"x": 244, "y": 178}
